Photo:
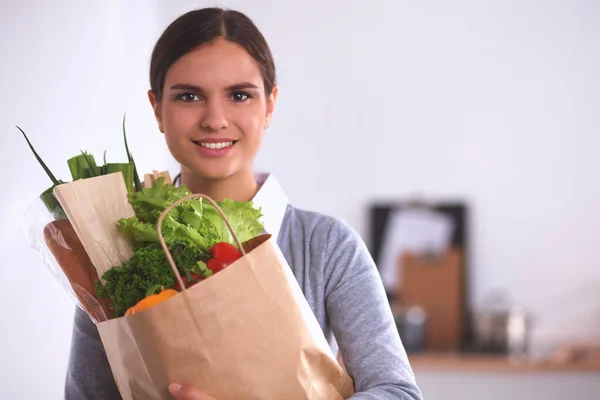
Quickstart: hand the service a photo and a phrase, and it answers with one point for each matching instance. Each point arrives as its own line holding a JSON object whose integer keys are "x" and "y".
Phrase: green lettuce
{"x": 149, "y": 203}
{"x": 195, "y": 222}
{"x": 243, "y": 217}
{"x": 137, "y": 232}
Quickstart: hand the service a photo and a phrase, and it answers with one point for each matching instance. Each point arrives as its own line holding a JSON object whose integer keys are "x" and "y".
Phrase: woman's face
{"x": 214, "y": 110}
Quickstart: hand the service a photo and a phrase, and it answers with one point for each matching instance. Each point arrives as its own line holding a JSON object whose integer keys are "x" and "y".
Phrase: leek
{"x": 47, "y": 196}
{"x": 126, "y": 169}
{"x": 48, "y": 172}
{"x": 82, "y": 166}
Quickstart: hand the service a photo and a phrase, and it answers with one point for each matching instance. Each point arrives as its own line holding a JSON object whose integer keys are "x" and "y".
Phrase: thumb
{"x": 183, "y": 392}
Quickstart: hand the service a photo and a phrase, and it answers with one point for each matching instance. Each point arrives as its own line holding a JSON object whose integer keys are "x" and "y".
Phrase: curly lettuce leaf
{"x": 138, "y": 232}
{"x": 198, "y": 237}
{"x": 149, "y": 203}
{"x": 245, "y": 220}
{"x": 199, "y": 240}
{"x": 195, "y": 223}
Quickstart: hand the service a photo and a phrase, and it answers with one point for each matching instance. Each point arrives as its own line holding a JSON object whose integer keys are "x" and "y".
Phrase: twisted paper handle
{"x": 162, "y": 240}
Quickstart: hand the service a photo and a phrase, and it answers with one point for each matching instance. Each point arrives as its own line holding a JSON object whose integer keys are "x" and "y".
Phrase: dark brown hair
{"x": 198, "y": 27}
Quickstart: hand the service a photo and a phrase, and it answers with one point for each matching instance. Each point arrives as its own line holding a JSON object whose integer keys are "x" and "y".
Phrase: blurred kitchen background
{"x": 461, "y": 139}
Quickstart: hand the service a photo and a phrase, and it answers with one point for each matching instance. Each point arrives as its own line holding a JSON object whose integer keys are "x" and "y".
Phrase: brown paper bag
{"x": 244, "y": 333}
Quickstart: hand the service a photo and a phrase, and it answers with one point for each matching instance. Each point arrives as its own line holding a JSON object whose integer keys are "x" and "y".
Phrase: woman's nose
{"x": 214, "y": 117}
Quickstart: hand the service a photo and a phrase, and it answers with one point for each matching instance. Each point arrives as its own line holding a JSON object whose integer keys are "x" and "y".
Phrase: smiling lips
{"x": 214, "y": 147}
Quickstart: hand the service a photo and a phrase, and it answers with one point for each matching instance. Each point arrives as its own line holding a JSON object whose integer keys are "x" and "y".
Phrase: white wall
{"x": 69, "y": 71}
{"x": 495, "y": 103}
{"x": 492, "y": 102}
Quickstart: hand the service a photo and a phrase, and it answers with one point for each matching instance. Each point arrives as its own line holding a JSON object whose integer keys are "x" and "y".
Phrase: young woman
{"x": 213, "y": 92}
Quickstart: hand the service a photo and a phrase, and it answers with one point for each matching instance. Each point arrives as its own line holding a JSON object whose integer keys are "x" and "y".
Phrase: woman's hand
{"x": 183, "y": 392}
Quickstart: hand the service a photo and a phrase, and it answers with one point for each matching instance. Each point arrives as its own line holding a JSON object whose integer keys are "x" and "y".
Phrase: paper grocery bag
{"x": 246, "y": 332}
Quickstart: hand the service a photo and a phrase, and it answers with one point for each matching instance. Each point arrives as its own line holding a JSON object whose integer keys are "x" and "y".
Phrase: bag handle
{"x": 162, "y": 240}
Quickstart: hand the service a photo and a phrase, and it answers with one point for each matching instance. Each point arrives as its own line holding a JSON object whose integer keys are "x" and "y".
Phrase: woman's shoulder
{"x": 318, "y": 227}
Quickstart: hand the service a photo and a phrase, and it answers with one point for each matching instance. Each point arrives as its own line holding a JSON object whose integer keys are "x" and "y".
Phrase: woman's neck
{"x": 241, "y": 186}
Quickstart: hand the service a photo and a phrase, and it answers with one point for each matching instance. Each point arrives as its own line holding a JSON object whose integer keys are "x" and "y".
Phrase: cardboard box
{"x": 436, "y": 283}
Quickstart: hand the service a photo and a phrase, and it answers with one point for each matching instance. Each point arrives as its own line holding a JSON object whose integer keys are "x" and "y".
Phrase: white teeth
{"x": 217, "y": 146}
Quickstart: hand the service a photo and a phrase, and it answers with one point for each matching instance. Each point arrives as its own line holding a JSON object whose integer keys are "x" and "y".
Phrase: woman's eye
{"x": 187, "y": 97}
{"x": 240, "y": 96}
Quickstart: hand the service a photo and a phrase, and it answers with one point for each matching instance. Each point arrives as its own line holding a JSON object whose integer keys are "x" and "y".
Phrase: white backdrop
{"x": 496, "y": 103}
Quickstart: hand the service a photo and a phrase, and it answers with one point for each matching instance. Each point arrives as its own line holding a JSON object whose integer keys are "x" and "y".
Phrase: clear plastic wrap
{"x": 53, "y": 238}
{"x": 72, "y": 225}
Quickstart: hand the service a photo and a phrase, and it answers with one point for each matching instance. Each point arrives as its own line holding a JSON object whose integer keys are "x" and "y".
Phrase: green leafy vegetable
{"x": 201, "y": 269}
{"x": 127, "y": 284}
{"x": 243, "y": 217}
{"x": 186, "y": 258}
{"x": 174, "y": 232}
{"x": 195, "y": 222}
{"x": 137, "y": 232}
{"x": 149, "y": 203}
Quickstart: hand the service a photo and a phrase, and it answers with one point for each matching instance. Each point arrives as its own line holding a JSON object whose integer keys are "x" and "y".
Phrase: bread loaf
{"x": 72, "y": 258}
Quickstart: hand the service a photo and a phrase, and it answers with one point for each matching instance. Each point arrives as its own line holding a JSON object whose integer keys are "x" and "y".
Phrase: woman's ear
{"x": 271, "y": 106}
{"x": 156, "y": 107}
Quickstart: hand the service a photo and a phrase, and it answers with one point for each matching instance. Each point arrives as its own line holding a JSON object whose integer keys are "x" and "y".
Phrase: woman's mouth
{"x": 214, "y": 149}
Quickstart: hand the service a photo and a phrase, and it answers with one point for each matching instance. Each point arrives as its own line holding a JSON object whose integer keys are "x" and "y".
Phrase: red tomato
{"x": 195, "y": 279}
{"x": 225, "y": 252}
{"x": 215, "y": 265}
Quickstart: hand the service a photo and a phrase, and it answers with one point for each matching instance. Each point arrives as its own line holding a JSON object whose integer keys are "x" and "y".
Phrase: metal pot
{"x": 502, "y": 332}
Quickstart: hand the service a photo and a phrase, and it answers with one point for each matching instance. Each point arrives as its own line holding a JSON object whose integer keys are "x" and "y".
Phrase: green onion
{"x": 136, "y": 178}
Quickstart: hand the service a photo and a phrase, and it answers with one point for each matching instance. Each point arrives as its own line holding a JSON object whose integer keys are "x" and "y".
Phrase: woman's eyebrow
{"x": 242, "y": 86}
{"x": 186, "y": 86}
{"x": 194, "y": 88}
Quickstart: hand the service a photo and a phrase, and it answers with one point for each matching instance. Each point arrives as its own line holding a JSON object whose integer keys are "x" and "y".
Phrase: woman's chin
{"x": 213, "y": 173}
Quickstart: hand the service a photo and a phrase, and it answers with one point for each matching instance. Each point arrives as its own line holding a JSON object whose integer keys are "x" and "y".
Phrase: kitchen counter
{"x": 484, "y": 363}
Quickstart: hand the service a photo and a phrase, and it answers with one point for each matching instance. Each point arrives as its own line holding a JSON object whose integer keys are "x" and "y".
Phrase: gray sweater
{"x": 342, "y": 285}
